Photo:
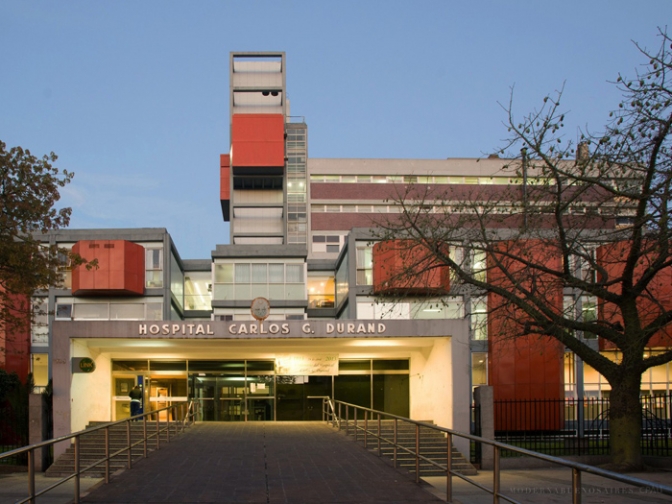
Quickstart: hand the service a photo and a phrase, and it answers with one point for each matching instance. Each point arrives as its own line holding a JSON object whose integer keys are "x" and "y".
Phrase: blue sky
{"x": 133, "y": 95}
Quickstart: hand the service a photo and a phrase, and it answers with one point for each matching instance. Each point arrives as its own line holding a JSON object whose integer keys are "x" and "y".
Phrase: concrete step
{"x": 92, "y": 449}
{"x": 432, "y": 446}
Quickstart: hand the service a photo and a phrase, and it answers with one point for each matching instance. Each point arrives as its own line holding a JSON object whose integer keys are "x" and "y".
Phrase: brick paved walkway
{"x": 265, "y": 463}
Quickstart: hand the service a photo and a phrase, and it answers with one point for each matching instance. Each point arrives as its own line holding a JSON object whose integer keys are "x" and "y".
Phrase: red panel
{"x": 650, "y": 304}
{"x": 258, "y": 140}
{"x": 15, "y": 342}
{"x": 523, "y": 365}
{"x": 401, "y": 266}
{"x": 224, "y": 178}
{"x": 120, "y": 271}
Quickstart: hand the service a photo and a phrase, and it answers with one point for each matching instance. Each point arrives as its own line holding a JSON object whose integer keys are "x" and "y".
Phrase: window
{"x": 321, "y": 290}
{"x": 446, "y": 308}
{"x": 39, "y": 334}
{"x": 247, "y": 280}
{"x": 117, "y": 311}
{"x": 154, "y": 268}
{"x": 63, "y": 311}
{"x": 479, "y": 318}
{"x": 364, "y": 265}
{"x": 479, "y": 265}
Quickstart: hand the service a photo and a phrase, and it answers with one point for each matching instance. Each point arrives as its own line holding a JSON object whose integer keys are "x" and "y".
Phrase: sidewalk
{"x": 14, "y": 488}
{"x": 553, "y": 486}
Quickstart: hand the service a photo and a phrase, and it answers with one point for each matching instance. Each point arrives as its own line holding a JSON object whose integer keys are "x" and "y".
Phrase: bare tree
{"x": 579, "y": 220}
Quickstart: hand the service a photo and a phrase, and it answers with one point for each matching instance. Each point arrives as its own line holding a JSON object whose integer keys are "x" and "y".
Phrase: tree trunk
{"x": 625, "y": 423}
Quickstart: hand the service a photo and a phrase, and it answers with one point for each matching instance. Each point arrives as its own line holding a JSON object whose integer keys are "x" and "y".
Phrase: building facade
{"x": 289, "y": 309}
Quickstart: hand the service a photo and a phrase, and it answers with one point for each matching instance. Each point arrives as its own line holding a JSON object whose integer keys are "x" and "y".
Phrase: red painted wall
{"x": 15, "y": 343}
{"x": 120, "y": 271}
{"x": 392, "y": 261}
{"x": 258, "y": 140}
{"x": 612, "y": 258}
{"x": 224, "y": 178}
{"x": 524, "y": 366}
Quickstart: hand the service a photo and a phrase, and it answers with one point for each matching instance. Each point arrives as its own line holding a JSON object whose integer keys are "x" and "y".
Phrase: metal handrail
{"x": 174, "y": 410}
{"x": 328, "y": 410}
{"x": 577, "y": 468}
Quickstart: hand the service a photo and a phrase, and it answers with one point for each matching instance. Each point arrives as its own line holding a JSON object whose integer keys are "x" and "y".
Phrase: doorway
{"x": 293, "y": 396}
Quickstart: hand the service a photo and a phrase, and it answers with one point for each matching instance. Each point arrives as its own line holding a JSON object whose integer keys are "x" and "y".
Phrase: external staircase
{"x": 433, "y": 446}
{"x": 92, "y": 449}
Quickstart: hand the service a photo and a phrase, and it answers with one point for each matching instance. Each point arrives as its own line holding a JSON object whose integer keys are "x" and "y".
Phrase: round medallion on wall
{"x": 260, "y": 308}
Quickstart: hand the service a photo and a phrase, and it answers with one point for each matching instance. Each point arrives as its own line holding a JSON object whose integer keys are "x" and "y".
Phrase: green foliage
{"x": 29, "y": 191}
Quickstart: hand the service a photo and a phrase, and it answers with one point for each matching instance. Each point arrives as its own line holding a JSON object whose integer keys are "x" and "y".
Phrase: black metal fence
{"x": 577, "y": 426}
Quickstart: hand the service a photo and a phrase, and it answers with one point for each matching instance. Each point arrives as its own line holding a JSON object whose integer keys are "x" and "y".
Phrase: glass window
{"x": 154, "y": 267}
{"x": 589, "y": 313}
{"x": 197, "y": 289}
{"x": 63, "y": 311}
{"x": 127, "y": 311}
{"x": 294, "y": 273}
{"x": 130, "y": 365}
{"x": 276, "y": 273}
{"x": 223, "y": 273}
{"x": 242, "y": 273}
{"x": 259, "y": 273}
{"x": 92, "y": 311}
{"x": 479, "y": 367}
{"x": 154, "y": 311}
{"x": 321, "y": 290}
{"x": 478, "y": 265}
{"x": 176, "y": 281}
{"x": 364, "y": 265}
{"x": 40, "y": 325}
{"x": 479, "y": 318}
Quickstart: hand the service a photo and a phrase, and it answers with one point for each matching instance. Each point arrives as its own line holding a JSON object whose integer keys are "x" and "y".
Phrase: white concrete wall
{"x": 440, "y": 387}
{"x": 90, "y": 392}
{"x": 431, "y": 384}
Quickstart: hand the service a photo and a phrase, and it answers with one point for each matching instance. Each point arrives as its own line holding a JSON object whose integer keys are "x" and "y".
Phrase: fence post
{"x": 483, "y": 400}
{"x": 417, "y": 453}
{"x": 449, "y": 467}
{"x": 576, "y": 486}
{"x": 128, "y": 441}
{"x": 395, "y": 442}
{"x": 31, "y": 476}
{"x": 107, "y": 454}
{"x": 77, "y": 454}
{"x": 144, "y": 436}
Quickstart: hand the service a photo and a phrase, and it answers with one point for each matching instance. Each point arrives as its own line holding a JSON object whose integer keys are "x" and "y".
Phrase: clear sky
{"x": 133, "y": 95}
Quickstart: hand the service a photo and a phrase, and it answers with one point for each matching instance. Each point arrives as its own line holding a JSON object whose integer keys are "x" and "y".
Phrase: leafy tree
{"x": 29, "y": 189}
{"x": 590, "y": 220}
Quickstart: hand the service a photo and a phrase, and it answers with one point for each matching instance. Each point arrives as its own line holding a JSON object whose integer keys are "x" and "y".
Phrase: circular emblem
{"x": 87, "y": 365}
{"x": 260, "y": 308}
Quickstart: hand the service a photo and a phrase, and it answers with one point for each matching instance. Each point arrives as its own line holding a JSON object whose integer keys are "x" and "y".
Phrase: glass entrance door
{"x": 293, "y": 396}
{"x": 233, "y": 390}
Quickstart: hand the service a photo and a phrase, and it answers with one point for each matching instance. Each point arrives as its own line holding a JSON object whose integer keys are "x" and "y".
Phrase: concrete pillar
{"x": 483, "y": 398}
{"x": 37, "y": 427}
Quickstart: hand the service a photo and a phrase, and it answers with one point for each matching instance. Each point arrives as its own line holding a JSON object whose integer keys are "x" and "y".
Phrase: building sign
{"x": 356, "y": 328}
{"x": 83, "y": 365}
{"x": 307, "y": 365}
